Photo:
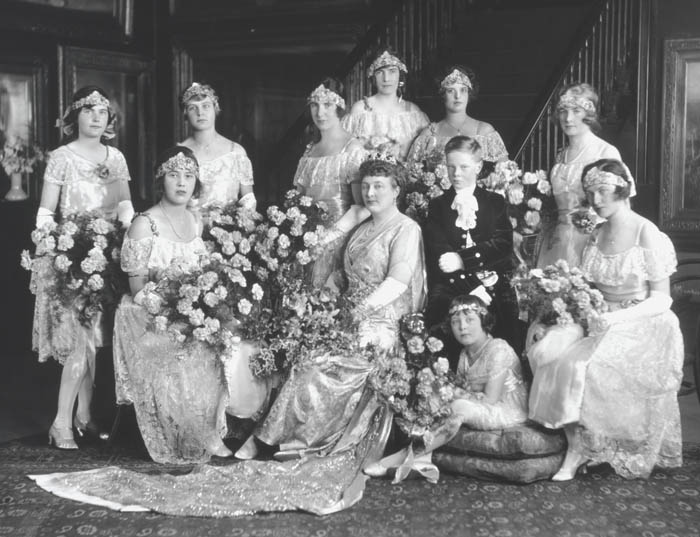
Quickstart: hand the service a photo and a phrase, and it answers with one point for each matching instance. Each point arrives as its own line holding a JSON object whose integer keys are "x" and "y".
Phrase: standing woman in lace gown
{"x": 458, "y": 88}
{"x": 327, "y": 171}
{"x": 385, "y": 121}
{"x": 178, "y": 392}
{"x": 81, "y": 175}
{"x": 577, "y": 112}
{"x": 225, "y": 171}
{"x": 615, "y": 391}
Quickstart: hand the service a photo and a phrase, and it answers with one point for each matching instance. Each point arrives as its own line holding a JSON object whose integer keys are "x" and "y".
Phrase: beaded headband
{"x": 200, "y": 91}
{"x": 569, "y": 101}
{"x": 178, "y": 162}
{"x": 94, "y": 99}
{"x": 597, "y": 177}
{"x": 474, "y": 308}
{"x": 456, "y": 77}
{"x": 385, "y": 157}
{"x": 386, "y": 59}
{"x": 323, "y": 95}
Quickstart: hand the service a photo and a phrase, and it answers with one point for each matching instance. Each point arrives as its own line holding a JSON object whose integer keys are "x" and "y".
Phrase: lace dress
{"x": 85, "y": 186}
{"x": 324, "y": 481}
{"x": 327, "y": 179}
{"x": 177, "y": 391}
{"x": 495, "y": 357}
{"x": 429, "y": 141}
{"x": 377, "y": 128}
{"x": 563, "y": 240}
{"x": 621, "y": 386}
{"x": 223, "y": 176}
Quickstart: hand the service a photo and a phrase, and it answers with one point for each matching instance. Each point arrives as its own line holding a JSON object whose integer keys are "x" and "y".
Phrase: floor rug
{"x": 596, "y": 504}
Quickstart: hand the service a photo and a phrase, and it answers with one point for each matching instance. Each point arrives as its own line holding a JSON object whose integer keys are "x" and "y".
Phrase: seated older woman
{"x": 614, "y": 392}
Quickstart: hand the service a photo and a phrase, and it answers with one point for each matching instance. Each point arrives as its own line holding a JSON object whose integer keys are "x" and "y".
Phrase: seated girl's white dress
{"x": 493, "y": 359}
{"x": 620, "y": 387}
{"x": 178, "y": 392}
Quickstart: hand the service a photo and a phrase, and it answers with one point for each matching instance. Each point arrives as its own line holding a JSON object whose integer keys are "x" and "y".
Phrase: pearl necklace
{"x": 461, "y": 126}
{"x": 204, "y": 148}
{"x": 160, "y": 205}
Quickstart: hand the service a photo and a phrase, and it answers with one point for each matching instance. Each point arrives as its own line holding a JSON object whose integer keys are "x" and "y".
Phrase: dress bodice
{"x": 372, "y": 252}
{"x": 625, "y": 275}
{"x": 155, "y": 253}
{"x": 376, "y": 128}
{"x": 223, "y": 176}
{"x": 85, "y": 185}
{"x": 495, "y": 357}
{"x": 328, "y": 178}
{"x": 429, "y": 141}
{"x": 566, "y": 176}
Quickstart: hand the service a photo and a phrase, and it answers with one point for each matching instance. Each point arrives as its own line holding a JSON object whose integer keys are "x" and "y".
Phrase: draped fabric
{"x": 492, "y": 146}
{"x": 376, "y": 128}
{"x": 328, "y": 477}
{"x": 619, "y": 387}
{"x": 563, "y": 240}
{"x": 327, "y": 179}
{"x": 223, "y": 176}
{"x": 56, "y": 330}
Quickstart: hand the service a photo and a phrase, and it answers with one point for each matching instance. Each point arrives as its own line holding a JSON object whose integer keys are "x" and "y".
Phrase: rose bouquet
{"x": 527, "y": 194}
{"x": 203, "y": 304}
{"x": 383, "y": 144}
{"x": 417, "y": 386}
{"x": 559, "y": 295}
{"x": 82, "y": 255}
{"x": 427, "y": 179}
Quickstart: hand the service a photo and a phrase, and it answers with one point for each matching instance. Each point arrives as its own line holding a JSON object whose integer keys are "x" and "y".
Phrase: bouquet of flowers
{"x": 558, "y": 294}
{"x": 203, "y": 304}
{"x": 16, "y": 156}
{"x": 527, "y": 194}
{"x": 427, "y": 179}
{"x": 418, "y": 387}
{"x": 82, "y": 254}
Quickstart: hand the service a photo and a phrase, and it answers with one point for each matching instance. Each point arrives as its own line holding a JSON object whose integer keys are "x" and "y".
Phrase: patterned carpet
{"x": 596, "y": 504}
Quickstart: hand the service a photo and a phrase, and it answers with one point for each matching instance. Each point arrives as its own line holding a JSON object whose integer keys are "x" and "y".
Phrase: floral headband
{"x": 383, "y": 156}
{"x": 569, "y": 101}
{"x": 178, "y": 162}
{"x": 94, "y": 99}
{"x": 323, "y": 95}
{"x": 200, "y": 91}
{"x": 386, "y": 59}
{"x": 474, "y": 308}
{"x": 456, "y": 77}
{"x": 597, "y": 177}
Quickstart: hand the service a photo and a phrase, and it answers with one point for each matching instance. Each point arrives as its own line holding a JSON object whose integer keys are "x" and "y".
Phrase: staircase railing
{"x": 604, "y": 48}
{"x": 412, "y": 28}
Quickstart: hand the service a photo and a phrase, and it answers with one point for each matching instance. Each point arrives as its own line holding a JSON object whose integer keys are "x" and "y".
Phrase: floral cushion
{"x": 522, "y": 441}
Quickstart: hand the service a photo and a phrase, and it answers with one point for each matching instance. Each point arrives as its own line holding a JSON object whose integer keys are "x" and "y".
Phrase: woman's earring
{"x": 401, "y": 84}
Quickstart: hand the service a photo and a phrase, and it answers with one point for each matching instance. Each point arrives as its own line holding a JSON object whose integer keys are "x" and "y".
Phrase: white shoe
{"x": 249, "y": 450}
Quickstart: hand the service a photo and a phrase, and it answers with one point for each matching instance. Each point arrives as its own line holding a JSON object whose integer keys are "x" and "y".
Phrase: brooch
{"x": 102, "y": 171}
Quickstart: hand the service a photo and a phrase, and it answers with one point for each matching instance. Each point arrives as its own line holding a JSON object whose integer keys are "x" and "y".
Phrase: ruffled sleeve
{"x": 121, "y": 171}
{"x": 57, "y": 168}
{"x": 244, "y": 168}
{"x": 494, "y": 148}
{"x": 659, "y": 260}
{"x": 135, "y": 255}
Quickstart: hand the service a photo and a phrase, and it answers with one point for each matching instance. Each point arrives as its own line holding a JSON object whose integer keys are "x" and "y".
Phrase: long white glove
{"x": 346, "y": 223}
{"x": 388, "y": 291}
{"x": 125, "y": 212}
{"x": 656, "y": 303}
{"x": 248, "y": 201}
{"x": 43, "y": 216}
